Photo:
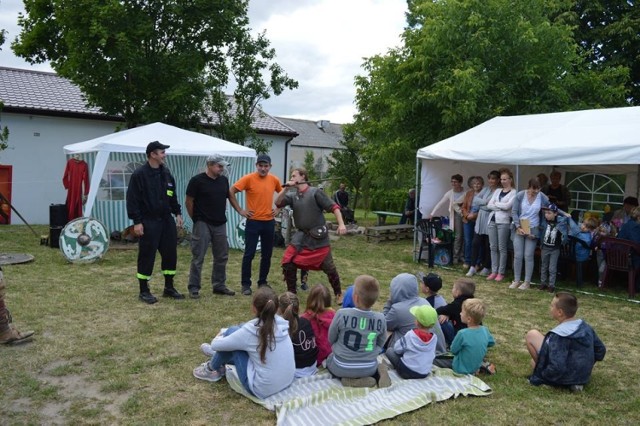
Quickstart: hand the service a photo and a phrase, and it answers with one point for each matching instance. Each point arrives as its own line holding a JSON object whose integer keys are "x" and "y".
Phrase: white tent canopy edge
{"x": 600, "y": 140}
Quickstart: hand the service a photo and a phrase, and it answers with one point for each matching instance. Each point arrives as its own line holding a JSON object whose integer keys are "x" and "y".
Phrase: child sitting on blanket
{"x": 320, "y": 314}
{"x": 449, "y": 315}
{"x": 301, "y": 333}
{"x": 403, "y": 296}
{"x": 357, "y": 336}
{"x": 431, "y": 285}
{"x": 260, "y": 349}
{"x": 470, "y": 344}
{"x": 567, "y": 354}
{"x": 412, "y": 355}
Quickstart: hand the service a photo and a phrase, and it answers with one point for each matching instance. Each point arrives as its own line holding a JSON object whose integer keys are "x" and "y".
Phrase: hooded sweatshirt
{"x": 567, "y": 355}
{"x": 320, "y": 324}
{"x": 404, "y": 295}
{"x": 418, "y": 350}
{"x": 279, "y": 368}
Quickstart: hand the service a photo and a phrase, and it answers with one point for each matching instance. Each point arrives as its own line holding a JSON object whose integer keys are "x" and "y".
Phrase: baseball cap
{"x": 551, "y": 207}
{"x": 263, "y": 158}
{"x": 155, "y": 145}
{"x": 425, "y": 314}
{"x": 433, "y": 281}
{"x": 218, "y": 159}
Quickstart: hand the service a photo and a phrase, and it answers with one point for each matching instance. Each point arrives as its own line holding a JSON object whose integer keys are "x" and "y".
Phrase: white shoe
{"x": 484, "y": 272}
{"x": 472, "y": 272}
{"x": 524, "y": 286}
{"x": 206, "y": 349}
{"x": 515, "y": 284}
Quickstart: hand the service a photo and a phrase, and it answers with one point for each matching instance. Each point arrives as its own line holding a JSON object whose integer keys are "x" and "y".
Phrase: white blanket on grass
{"x": 321, "y": 399}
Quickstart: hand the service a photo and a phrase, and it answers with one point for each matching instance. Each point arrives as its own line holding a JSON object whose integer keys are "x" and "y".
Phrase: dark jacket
{"x": 567, "y": 356}
{"x": 151, "y": 194}
{"x": 453, "y": 310}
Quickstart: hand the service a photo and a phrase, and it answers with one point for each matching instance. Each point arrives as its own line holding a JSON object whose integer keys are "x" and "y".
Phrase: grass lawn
{"x": 100, "y": 356}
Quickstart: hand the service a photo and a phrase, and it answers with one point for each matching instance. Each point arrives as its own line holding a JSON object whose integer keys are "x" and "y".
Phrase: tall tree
{"x": 466, "y": 61}
{"x": 309, "y": 165}
{"x": 350, "y": 164}
{"x": 609, "y": 33}
{"x": 143, "y": 59}
{"x": 250, "y": 59}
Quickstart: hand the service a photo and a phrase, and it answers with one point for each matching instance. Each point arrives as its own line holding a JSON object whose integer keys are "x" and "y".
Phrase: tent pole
{"x": 415, "y": 212}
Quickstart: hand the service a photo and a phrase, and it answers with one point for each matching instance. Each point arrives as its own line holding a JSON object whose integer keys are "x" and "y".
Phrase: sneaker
{"x": 224, "y": 291}
{"x": 384, "y": 381}
{"x": 304, "y": 286}
{"x": 246, "y": 292}
{"x": 206, "y": 349}
{"x": 472, "y": 272}
{"x": 203, "y": 372}
{"x": 524, "y": 286}
{"x": 576, "y": 388}
{"x": 499, "y": 277}
{"x": 491, "y": 276}
{"x": 484, "y": 272}
{"x": 515, "y": 284}
{"x": 360, "y": 382}
{"x": 488, "y": 368}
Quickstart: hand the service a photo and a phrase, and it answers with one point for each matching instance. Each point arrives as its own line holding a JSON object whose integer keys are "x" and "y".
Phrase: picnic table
{"x": 382, "y": 216}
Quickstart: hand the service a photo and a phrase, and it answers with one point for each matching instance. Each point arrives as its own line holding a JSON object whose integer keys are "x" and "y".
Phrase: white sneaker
{"x": 206, "y": 349}
{"x": 524, "y": 286}
{"x": 472, "y": 272}
{"x": 515, "y": 284}
{"x": 203, "y": 372}
{"x": 484, "y": 272}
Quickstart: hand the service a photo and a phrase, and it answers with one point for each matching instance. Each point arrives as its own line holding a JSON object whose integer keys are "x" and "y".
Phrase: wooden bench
{"x": 389, "y": 233}
{"x": 382, "y": 216}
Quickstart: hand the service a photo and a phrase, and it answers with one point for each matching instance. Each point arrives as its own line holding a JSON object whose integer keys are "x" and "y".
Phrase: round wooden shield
{"x": 84, "y": 240}
{"x": 15, "y": 258}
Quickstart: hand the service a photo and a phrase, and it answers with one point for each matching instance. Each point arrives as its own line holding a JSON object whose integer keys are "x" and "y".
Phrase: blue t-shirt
{"x": 469, "y": 348}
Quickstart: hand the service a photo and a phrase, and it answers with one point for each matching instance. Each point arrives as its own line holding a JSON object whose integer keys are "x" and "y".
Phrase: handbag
{"x": 318, "y": 232}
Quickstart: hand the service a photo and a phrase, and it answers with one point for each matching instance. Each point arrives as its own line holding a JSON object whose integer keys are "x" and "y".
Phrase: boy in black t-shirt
{"x": 555, "y": 230}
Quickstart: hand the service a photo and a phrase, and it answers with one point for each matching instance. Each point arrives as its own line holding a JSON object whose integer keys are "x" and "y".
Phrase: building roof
{"x": 315, "y": 134}
{"x": 46, "y": 93}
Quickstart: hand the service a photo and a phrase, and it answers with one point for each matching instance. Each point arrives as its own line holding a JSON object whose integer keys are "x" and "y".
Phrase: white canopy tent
{"x": 602, "y": 140}
{"x": 185, "y": 157}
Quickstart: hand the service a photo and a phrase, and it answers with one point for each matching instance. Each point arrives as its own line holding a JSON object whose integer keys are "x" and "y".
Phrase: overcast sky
{"x": 320, "y": 43}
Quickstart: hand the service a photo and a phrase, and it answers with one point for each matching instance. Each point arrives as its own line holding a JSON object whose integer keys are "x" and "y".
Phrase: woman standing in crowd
{"x": 526, "y": 221}
{"x": 499, "y": 226}
{"x": 454, "y": 198}
{"x": 480, "y": 253}
{"x": 473, "y": 200}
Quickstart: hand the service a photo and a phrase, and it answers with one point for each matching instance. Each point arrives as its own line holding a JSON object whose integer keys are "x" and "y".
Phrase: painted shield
{"x": 84, "y": 240}
{"x": 240, "y": 235}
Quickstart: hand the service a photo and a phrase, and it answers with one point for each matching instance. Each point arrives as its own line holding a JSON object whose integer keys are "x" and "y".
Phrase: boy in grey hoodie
{"x": 404, "y": 296}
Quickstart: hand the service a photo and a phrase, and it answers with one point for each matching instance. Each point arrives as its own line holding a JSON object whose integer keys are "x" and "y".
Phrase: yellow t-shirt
{"x": 260, "y": 192}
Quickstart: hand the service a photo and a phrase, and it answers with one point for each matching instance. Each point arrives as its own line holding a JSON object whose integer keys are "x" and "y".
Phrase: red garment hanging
{"x": 76, "y": 173}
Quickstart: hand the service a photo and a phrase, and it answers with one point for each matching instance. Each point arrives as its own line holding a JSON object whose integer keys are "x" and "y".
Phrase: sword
{"x": 309, "y": 182}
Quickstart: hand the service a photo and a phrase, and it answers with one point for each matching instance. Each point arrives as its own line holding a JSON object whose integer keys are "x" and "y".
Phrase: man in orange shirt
{"x": 259, "y": 187}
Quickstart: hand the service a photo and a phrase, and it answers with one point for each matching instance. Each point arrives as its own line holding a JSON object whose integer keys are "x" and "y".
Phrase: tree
{"x": 350, "y": 164}
{"x": 148, "y": 60}
{"x": 309, "y": 165}
{"x": 466, "y": 61}
{"x": 608, "y": 32}
{"x": 249, "y": 60}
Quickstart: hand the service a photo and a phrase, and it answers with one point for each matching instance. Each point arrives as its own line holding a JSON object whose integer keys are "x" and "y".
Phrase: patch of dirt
{"x": 73, "y": 389}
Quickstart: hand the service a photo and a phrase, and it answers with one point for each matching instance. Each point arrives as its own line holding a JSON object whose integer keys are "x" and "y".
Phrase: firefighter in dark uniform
{"x": 151, "y": 200}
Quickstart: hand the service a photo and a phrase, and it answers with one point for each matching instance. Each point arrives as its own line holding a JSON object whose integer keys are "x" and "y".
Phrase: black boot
{"x": 169, "y": 290}
{"x": 145, "y": 293}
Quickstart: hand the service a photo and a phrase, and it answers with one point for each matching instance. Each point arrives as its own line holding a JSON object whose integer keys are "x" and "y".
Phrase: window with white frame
{"x": 594, "y": 191}
{"x": 115, "y": 180}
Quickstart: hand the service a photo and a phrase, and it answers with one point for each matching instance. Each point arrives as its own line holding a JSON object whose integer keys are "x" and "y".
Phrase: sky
{"x": 319, "y": 43}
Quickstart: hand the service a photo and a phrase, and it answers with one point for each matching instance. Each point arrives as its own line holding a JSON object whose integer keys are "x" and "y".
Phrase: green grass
{"x": 101, "y": 357}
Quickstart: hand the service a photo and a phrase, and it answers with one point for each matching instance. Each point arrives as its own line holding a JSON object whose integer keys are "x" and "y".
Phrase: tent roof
{"x": 591, "y": 137}
{"x": 181, "y": 142}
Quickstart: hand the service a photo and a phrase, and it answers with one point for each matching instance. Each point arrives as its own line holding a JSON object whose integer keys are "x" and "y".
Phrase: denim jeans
{"x": 499, "y": 234}
{"x": 238, "y": 358}
{"x": 468, "y": 242}
{"x": 205, "y": 235}
{"x": 264, "y": 230}
{"x": 523, "y": 249}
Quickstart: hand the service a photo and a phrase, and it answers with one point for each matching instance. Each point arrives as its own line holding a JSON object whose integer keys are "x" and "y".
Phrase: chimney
{"x": 323, "y": 124}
